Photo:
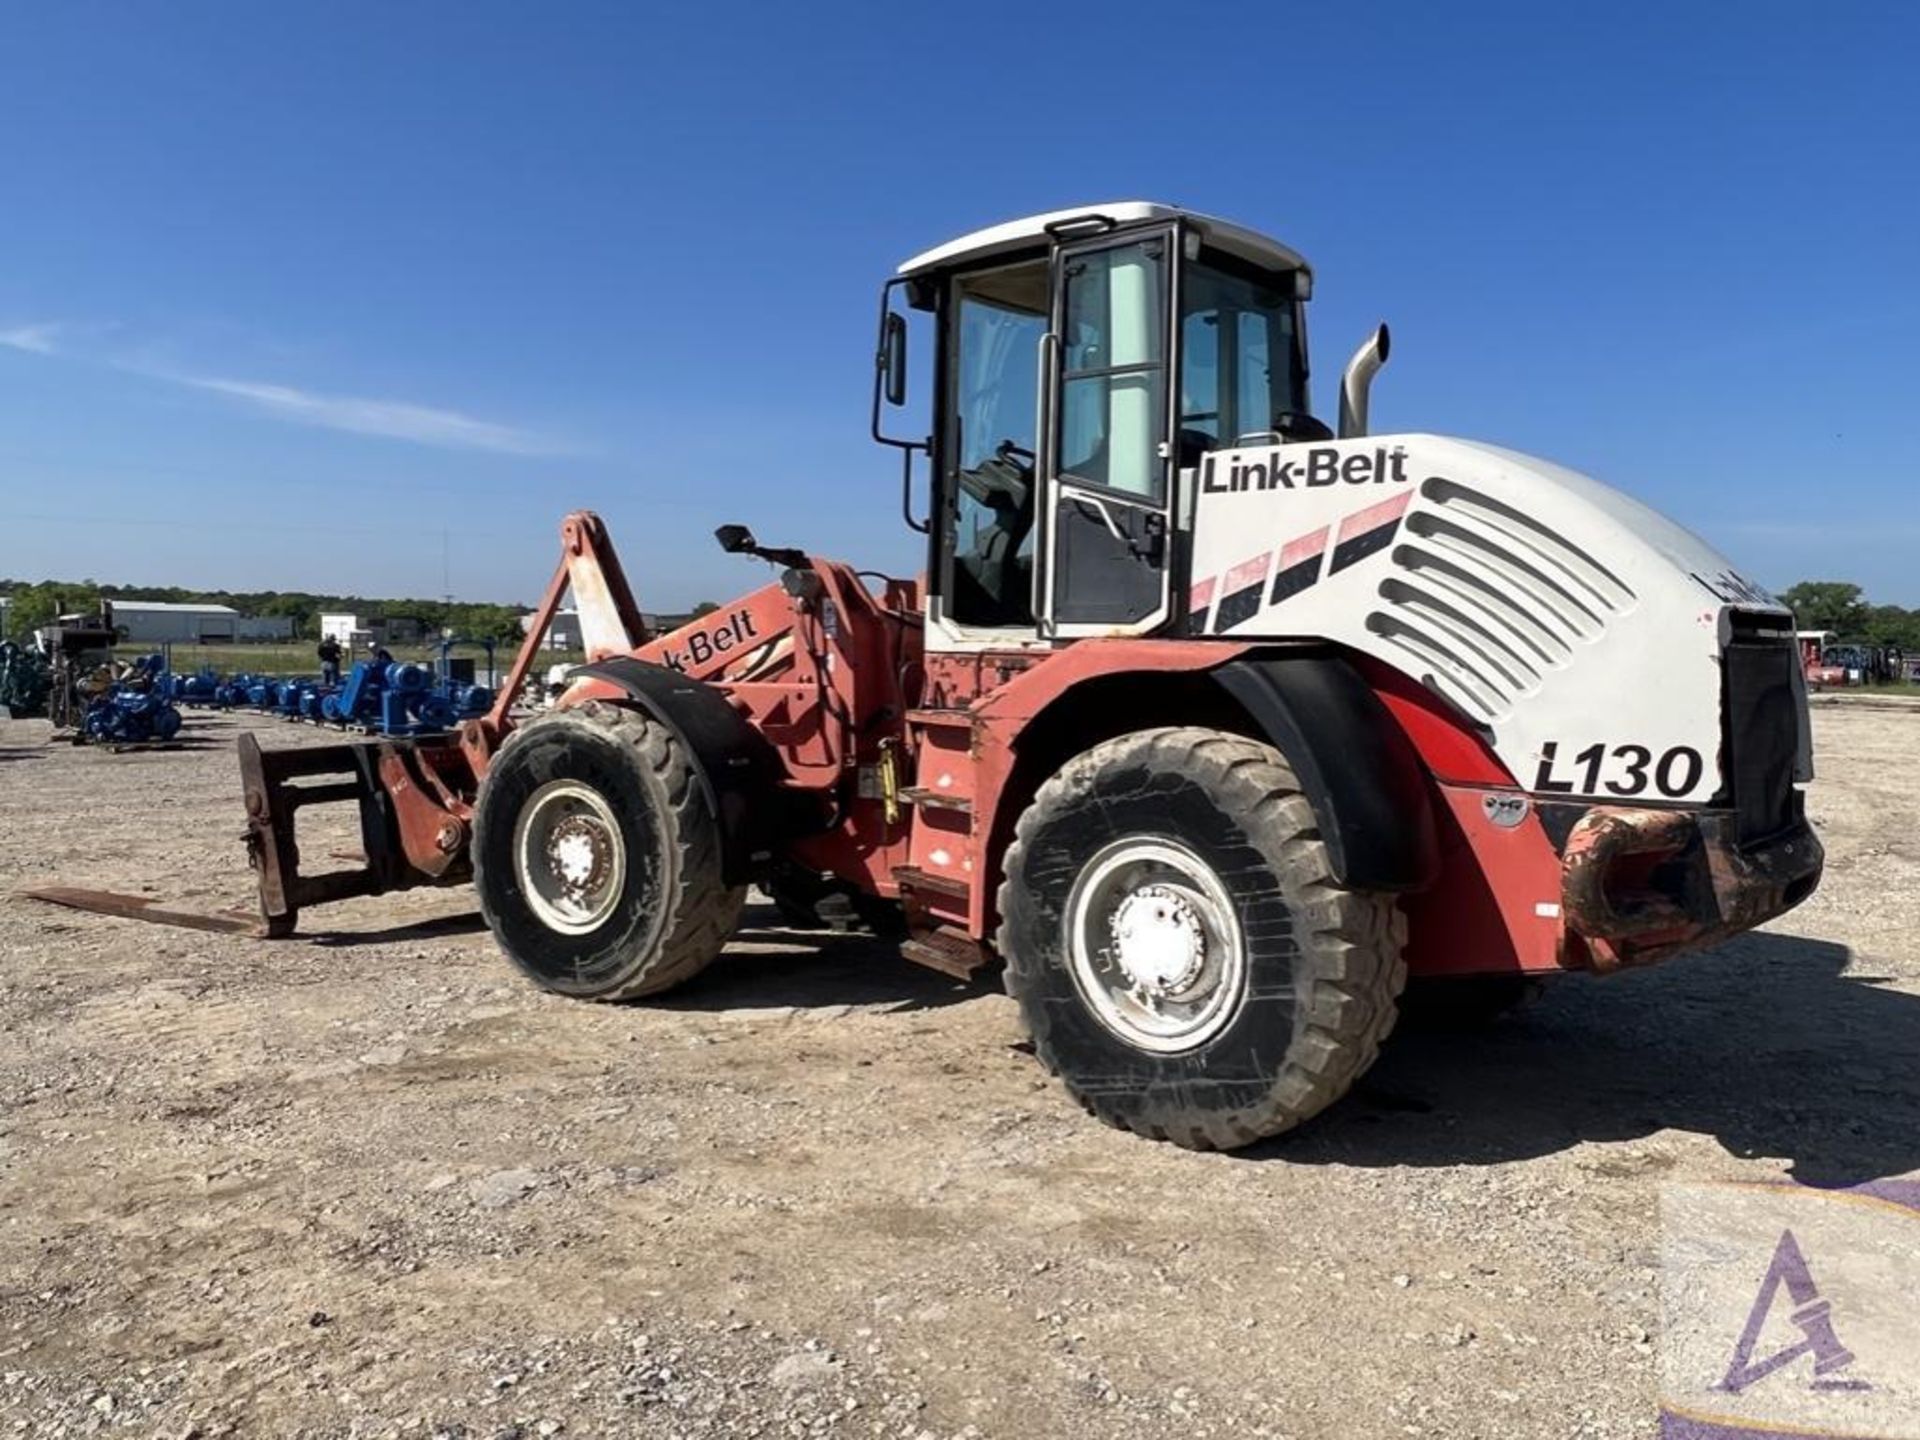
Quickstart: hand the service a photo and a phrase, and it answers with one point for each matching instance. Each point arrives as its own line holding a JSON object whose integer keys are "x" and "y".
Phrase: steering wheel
{"x": 1004, "y": 480}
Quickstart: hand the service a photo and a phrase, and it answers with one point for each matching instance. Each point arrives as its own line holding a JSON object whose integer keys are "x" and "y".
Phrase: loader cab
{"x": 1082, "y": 363}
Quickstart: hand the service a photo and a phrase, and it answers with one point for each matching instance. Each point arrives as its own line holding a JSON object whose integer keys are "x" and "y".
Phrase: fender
{"x": 1360, "y": 773}
{"x": 732, "y": 762}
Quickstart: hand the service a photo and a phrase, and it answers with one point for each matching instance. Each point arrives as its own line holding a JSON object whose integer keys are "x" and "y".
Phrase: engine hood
{"x": 1554, "y": 612}
{"x": 1644, "y": 526}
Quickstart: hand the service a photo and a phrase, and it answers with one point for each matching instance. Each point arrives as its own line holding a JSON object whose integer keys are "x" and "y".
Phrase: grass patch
{"x": 299, "y": 659}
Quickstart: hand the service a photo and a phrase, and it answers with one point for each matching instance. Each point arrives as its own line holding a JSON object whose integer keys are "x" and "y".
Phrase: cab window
{"x": 999, "y": 317}
{"x": 1113, "y": 352}
{"x": 1240, "y": 356}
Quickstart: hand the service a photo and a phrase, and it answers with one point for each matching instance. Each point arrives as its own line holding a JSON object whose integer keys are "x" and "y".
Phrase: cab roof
{"x": 1034, "y": 230}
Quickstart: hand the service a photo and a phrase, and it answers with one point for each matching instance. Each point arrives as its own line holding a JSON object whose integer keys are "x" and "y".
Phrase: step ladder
{"x": 936, "y": 884}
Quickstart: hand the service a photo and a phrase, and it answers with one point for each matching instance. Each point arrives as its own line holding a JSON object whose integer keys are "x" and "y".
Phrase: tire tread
{"x": 1351, "y": 943}
{"x": 703, "y": 911}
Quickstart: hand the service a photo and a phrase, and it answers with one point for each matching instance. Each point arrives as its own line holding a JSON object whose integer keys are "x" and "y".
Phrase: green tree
{"x": 1892, "y": 625}
{"x": 37, "y": 605}
{"x": 1827, "y": 605}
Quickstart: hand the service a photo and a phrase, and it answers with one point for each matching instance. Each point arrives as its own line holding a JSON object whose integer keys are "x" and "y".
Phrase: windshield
{"x": 1240, "y": 362}
{"x": 1001, "y": 316}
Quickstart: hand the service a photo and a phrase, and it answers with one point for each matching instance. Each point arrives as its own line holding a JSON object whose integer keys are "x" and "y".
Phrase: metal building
{"x": 563, "y": 634}
{"x": 161, "y": 622}
{"x": 356, "y": 632}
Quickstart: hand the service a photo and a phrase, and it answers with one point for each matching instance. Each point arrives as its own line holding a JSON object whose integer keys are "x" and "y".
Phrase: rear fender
{"x": 1360, "y": 773}
{"x": 733, "y": 764}
{"x": 1368, "y": 789}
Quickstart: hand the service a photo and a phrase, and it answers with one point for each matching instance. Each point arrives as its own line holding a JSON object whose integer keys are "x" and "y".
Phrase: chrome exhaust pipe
{"x": 1357, "y": 381}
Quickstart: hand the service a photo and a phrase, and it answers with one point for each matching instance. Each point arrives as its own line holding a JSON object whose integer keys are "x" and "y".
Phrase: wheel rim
{"x": 569, "y": 856}
{"x": 1154, "y": 945}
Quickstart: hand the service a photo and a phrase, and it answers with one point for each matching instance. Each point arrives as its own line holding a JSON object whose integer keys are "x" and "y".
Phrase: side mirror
{"x": 892, "y": 359}
{"x": 735, "y": 539}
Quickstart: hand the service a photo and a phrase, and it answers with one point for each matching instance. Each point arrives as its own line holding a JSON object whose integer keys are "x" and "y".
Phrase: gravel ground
{"x": 368, "y": 1183}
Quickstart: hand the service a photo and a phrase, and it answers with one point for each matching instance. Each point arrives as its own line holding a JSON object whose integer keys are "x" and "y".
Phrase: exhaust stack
{"x": 1357, "y": 381}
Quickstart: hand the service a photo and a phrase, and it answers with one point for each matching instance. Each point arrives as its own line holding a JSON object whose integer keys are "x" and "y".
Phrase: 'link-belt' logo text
{"x": 1314, "y": 469}
{"x": 702, "y": 645}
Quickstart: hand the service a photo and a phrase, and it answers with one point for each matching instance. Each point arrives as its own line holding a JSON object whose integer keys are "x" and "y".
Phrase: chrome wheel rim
{"x": 569, "y": 856}
{"x": 1154, "y": 945}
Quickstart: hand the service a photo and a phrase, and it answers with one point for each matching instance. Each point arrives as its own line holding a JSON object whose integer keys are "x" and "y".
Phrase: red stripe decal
{"x": 1201, "y": 595}
{"x": 1307, "y": 546}
{"x": 1374, "y": 516}
{"x": 1247, "y": 572}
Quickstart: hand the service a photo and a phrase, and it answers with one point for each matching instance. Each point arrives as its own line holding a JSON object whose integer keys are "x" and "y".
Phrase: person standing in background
{"x": 329, "y": 653}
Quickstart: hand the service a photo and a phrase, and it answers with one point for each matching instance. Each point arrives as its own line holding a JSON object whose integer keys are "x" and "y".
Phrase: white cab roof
{"x": 1020, "y": 234}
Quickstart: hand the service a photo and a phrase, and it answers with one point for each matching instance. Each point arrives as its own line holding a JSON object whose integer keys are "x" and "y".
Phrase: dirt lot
{"x": 367, "y": 1182}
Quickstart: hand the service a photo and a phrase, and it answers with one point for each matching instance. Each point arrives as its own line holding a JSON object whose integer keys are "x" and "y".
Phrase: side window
{"x": 1256, "y": 404}
{"x": 1113, "y": 368}
{"x": 1200, "y": 379}
{"x": 1239, "y": 367}
{"x": 998, "y": 369}
{"x": 998, "y": 319}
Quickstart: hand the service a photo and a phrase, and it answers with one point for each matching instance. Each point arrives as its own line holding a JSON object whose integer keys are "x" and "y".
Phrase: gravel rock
{"x": 864, "y": 1214}
{"x": 805, "y": 1370}
{"x": 503, "y": 1187}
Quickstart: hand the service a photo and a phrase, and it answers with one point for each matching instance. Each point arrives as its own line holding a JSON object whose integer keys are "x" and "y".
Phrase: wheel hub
{"x": 1153, "y": 944}
{"x": 1158, "y": 941}
{"x": 570, "y": 856}
{"x": 578, "y": 852}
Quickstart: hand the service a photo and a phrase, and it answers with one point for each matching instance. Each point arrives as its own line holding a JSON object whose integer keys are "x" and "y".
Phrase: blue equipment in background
{"x": 195, "y": 690}
{"x": 136, "y": 709}
{"x": 402, "y": 698}
{"x": 130, "y": 717}
{"x": 384, "y": 697}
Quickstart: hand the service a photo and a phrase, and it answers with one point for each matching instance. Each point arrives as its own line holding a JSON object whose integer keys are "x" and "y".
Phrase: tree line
{"x": 1842, "y": 607}
{"x": 38, "y": 603}
{"x": 1835, "y": 605}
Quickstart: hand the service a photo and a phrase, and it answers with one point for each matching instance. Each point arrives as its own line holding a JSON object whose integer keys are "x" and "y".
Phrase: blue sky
{"x": 288, "y": 291}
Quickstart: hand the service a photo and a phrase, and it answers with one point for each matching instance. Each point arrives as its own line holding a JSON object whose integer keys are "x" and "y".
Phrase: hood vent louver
{"x": 1489, "y": 600}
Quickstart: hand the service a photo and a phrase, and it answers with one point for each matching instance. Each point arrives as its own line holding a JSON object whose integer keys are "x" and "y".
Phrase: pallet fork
{"x": 410, "y": 831}
{"x": 415, "y": 794}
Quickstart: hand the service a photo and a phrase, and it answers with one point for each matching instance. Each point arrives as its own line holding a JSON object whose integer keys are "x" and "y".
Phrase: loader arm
{"x": 813, "y": 661}
{"x": 610, "y": 619}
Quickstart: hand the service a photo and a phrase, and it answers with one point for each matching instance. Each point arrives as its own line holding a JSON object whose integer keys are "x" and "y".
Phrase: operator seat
{"x": 989, "y": 577}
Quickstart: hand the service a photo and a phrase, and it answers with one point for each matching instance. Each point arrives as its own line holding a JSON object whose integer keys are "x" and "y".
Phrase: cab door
{"x": 1107, "y": 457}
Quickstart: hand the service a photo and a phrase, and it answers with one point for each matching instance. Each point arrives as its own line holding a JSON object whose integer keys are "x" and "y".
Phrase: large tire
{"x": 597, "y": 858}
{"x": 1204, "y": 837}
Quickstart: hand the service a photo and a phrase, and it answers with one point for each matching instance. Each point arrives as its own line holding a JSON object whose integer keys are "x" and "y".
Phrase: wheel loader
{"x": 1212, "y": 721}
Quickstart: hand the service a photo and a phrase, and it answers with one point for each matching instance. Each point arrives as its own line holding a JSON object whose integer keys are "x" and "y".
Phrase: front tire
{"x": 596, "y": 857}
{"x": 1178, "y": 946}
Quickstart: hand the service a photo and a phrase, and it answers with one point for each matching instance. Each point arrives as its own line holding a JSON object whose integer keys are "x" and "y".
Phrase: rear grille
{"x": 1762, "y": 720}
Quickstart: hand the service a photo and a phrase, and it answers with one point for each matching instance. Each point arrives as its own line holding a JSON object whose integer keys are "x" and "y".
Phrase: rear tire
{"x": 597, "y": 858}
{"x": 1179, "y": 949}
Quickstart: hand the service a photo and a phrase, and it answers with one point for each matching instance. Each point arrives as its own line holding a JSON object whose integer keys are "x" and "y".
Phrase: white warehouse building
{"x": 563, "y": 634}
{"x": 160, "y": 622}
